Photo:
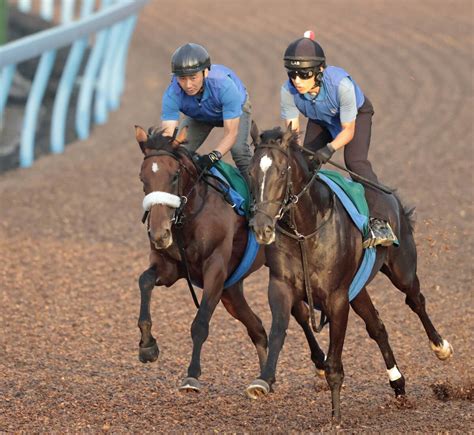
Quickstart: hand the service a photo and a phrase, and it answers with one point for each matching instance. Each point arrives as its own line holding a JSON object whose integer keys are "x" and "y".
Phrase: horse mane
{"x": 277, "y": 133}
{"x": 157, "y": 141}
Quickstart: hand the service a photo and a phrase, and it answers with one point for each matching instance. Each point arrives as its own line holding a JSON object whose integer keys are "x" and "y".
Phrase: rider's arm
{"x": 347, "y": 113}
{"x": 169, "y": 112}
{"x": 169, "y": 127}
{"x": 231, "y": 129}
{"x": 231, "y": 101}
{"x": 345, "y": 136}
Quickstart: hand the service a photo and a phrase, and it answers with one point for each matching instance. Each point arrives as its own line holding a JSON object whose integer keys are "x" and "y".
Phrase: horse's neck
{"x": 195, "y": 195}
{"x": 322, "y": 195}
{"x": 317, "y": 201}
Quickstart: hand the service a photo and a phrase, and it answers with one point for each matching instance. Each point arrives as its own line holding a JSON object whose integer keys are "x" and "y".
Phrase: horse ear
{"x": 141, "y": 137}
{"x": 255, "y": 134}
{"x": 289, "y": 133}
{"x": 180, "y": 137}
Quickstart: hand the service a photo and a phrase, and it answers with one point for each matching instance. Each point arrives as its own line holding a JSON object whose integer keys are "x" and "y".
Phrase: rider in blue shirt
{"x": 208, "y": 97}
{"x": 339, "y": 116}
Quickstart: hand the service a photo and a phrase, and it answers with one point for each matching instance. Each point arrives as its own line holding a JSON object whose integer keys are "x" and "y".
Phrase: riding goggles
{"x": 303, "y": 74}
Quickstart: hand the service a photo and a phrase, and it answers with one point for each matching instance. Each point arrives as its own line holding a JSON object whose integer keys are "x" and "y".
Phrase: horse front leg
{"x": 281, "y": 300}
{"x": 213, "y": 287}
{"x": 148, "y": 349}
{"x": 337, "y": 309}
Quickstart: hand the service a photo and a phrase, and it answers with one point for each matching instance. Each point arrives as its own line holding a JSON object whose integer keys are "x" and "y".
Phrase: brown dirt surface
{"x": 72, "y": 245}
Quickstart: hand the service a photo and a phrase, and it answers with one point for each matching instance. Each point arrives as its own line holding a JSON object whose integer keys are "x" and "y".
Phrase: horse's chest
{"x": 325, "y": 266}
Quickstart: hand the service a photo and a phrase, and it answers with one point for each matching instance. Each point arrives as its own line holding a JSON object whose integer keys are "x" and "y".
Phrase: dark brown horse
{"x": 297, "y": 210}
{"x": 182, "y": 208}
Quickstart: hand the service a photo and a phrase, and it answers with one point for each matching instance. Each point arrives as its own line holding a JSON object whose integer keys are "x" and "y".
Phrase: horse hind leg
{"x": 364, "y": 308}
{"x": 235, "y": 303}
{"x": 148, "y": 350}
{"x": 301, "y": 314}
{"x": 402, "y": 273}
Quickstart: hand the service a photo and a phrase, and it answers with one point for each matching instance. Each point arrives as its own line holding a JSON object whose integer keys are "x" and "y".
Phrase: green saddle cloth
{"x": 236, "y": 181}
{"x": 355, "y": 191}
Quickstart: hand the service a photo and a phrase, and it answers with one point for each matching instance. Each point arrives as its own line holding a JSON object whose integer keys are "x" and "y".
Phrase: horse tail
{"x": 408, "y": 211}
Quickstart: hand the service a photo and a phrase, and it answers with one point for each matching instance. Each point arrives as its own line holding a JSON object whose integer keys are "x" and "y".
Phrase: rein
{"x": 358, "y": 177}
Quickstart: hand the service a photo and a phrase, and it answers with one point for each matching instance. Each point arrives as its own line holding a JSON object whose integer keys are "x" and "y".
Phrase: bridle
{"x": 289, "y": 199}
{"x": 176, "y": 200}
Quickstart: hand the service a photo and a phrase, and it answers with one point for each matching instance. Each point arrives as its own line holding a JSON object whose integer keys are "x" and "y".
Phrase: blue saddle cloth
{"x": 360, "y": 222}
{"x": 246, "y": 262}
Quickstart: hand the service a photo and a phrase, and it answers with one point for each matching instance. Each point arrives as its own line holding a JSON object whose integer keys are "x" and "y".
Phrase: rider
{"x": 339, "y": 116}
{"x": 208, "y": 97}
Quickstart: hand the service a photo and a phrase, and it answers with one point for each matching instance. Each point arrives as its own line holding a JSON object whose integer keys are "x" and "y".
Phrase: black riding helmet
{"x": 189, "y": 59}
{"x": 304, "y": 53}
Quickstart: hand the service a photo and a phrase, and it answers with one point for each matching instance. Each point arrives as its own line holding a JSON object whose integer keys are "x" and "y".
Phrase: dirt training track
{"x": 72, "y": 245}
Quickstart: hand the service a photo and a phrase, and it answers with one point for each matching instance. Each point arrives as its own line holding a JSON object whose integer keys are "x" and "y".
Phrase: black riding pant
{"x": 355, "y": 155}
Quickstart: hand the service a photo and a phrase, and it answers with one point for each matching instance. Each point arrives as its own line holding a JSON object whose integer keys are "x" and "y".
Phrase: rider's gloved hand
{"x": 324, "y": 153}
{"x": 207, "y": 161}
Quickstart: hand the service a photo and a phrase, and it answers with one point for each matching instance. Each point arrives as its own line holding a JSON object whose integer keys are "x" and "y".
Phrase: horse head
{"x": 270, "y": 174}
{"x": 164, "y": 174}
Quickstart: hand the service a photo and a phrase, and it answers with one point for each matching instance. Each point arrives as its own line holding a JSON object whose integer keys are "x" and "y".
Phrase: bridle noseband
{"x": 176, "y": 201}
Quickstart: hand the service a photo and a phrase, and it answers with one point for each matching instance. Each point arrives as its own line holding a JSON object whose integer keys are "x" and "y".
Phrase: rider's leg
{"x": 356, "y": 159}
{"x": 197, "y": 132}
{"x": 241, "y": 152}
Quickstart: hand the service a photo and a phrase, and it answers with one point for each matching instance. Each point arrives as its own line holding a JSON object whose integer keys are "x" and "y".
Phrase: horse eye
{"x": 283, "y": 172}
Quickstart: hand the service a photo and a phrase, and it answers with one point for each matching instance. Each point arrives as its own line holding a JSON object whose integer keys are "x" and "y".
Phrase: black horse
{"x": 297, "y": 210}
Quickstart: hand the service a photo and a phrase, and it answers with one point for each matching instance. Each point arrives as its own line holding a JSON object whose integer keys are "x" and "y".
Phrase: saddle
{"x": 234, "y": 187}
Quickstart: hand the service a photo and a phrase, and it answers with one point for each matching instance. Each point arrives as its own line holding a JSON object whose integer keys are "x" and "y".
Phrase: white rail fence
{"x": 106, "y": 31}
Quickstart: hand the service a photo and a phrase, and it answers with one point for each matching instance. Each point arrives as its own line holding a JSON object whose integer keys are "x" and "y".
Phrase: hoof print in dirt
{"x": 445, "y": 391}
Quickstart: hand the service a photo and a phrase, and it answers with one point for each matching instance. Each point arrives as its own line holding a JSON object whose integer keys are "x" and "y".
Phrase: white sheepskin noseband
{"x": 161, "y": 198}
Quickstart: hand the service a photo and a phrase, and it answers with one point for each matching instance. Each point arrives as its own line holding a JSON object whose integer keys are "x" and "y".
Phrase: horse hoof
{"x": 190, "y": 384}
{"x": 257, "y": 388}
{"x": 148, "y": 354}
{"x": 443, "y": 351}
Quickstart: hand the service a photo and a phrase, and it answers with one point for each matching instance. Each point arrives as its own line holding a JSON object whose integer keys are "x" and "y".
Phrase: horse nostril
{"x": 166, "y": 235}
